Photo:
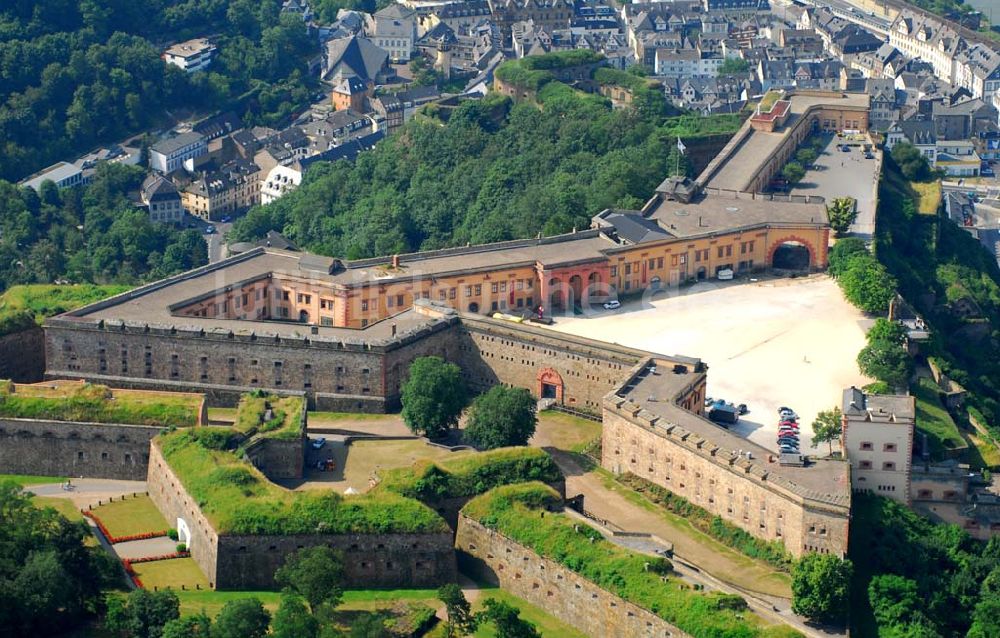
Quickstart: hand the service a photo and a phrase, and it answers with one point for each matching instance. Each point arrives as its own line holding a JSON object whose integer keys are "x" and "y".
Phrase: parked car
{"x": 787, "y": 413}
{"x": 788, "y": 450}
{"x": 226, "y": 219}
{"x": 318, "y": 443}
{"x": 787, "y": 428}
{"x": 209, "y": 230}
{"x": 789, "y": 422}
{"x": 743, "y": 409}
{"x": 869, "y": 156}
{"x": 614, "y": 304}
{"x": 845, "y": 148}
{"x": 787, "y": 436}
{"x": 725, "y": 274}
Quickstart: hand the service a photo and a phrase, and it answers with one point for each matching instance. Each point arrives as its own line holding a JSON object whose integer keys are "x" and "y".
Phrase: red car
{"x": 788, "y": 424}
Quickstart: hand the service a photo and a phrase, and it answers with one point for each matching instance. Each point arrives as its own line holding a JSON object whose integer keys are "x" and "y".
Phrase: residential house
{"x": 963, "y": 120}
{"x": 553, "y": 14}
{"x": 822, "y": 76}
{"x": 394, "y": 29}
{"x": 168, "y": 155}
{"x": 922, "y": 36}
{"x": 853, "y": 39}
{"x": 460, "y": 17}
{"x": 192, "y": 55}
{"x": 884, "y": 108}
{"x": 776, "y": 74}
{"x": 919, "y": 133}
{"x": 358, "y": 57}
{"x": 804, "y": 43}
{"x": 885, "y": 62}
{"x": 215, "y": 193}
{"x": 686, "y": 63}
{"x": 285, "y": 147}
{"x": 736, "y": 8}
{"x": 389, "y": 110}
{"x": 349, "y": 93}
{"x": 958, "y": 158}
{"x": 160, "y": 197}
{"x": 280, "y": 180}
{"x": 978, "y": 70}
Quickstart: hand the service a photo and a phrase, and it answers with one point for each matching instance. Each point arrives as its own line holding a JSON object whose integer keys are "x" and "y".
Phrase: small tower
{"x": 443, "y": 60}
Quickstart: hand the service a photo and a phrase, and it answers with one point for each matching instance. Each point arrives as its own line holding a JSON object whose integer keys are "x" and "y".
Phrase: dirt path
{"x": 609, "y": 503}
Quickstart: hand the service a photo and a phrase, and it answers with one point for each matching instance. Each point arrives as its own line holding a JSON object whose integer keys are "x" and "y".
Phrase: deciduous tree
{"x": 842, "y": 213}
{"x": 293, "y": 620}
{"x": 461, "y": 621}
{"x": 242, "y": 618}
{"x": 507, "y": 620}
{"x": 501, "y": 417}
{"x": 315, "y": 573}
{"x": 827, "y": 427}
{"x": 821, "y": 587}
{"x": 433, "y": 396}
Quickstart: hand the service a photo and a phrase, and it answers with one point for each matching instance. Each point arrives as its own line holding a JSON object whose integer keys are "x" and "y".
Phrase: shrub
{"x": 867, "y": 284}
{"x": 172, "y": 534}
{"x": 182, "y": 548}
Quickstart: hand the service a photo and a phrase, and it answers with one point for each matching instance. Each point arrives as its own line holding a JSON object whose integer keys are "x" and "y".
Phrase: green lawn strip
{"x": 98, "y": 404}
{"x": 934, "y": 420}
{"x": 131, "y": 516}
{"x": 211, "y": 602}
{"x": 351, "y": 416}
{"x": 24, "y": 306}
{"x": 25, "y": 480}
{"x": 469, "y": 475}
{"x": 237, "y": 498}
{"x": 222, "y": 414}
{"x": 752, "y": 574}
{"x": 516, "y": 511}
{"x": 172, "y": 573}
{"x": 567, "y": 431}
{"x": 548, "y": 625}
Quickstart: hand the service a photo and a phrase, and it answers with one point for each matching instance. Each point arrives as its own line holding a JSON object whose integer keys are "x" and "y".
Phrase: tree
{"x": 197, "y": 626}
{"x": 461, "y": 622}
{"x": 793, "y": 172}
{"x": 826, "y": 427}
{"x": 730, "y": 66}
{"x": 986, "y": 617}
{"x": 501, "y": 417}
{"x": 806, "y": 156}
{"x": 888, "y": 331}
{"x": 842, "y": 251}
{"x": 293, "y": 620}
{"x": 315, "y": 573}
{"x": 842, "y": 213}
{"x": 433, "y": 396}
{"x": 142, "y": 614}
{"x": 867, "y": 284}
{"x": 506, "y": 619}
{"x": 911, "y": 161}
{"x": 887, "y": 362}
{"x": 369, "y": 626}
{"x": 821, "y": 587}
{"x": 242, "y": 618}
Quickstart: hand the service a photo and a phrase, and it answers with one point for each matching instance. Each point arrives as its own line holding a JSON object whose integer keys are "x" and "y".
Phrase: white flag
{"x": 680, "y": 146}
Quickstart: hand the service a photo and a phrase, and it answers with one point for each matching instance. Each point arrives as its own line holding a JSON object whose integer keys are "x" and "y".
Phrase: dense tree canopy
{"x": 77, "y": 74}
{"x": 315, "y": 573}
{"x": 433, "y": 396}
{"x": 93, "y": 234}
{"x": 496, "y": 171}
{"x": 142, "y": 614}
{"x": 501, "y": 417}
{"x": 50, "y": 581}
{"x": 820, "y": 587}
{"x": 242, "y": 618}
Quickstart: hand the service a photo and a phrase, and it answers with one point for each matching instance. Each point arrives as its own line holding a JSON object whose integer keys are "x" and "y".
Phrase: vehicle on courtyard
{"x": 725, "y": 274}
{"x": 614, "y": 304}
{"x": 318, "y": 443}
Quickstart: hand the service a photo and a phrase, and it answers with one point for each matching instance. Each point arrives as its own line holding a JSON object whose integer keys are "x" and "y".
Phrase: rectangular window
{"x": 865, "y": 465}
{"x": 399, "y": 300}
{"x": 326, "y": 321}
{"x": 364, "y": 305}
{"x": 889, "y": 447}
{"x": 494, "y": 287}
{"x": 614, "y": 271}
{"x": 468, "y": 291}
{"x": 889, "y": 466}
{"x": 628, "y": 269}
{"x": 720, "y": 251}
{"x": 866, "y": 445}
{"x": 452, "y": 292}
{"x": 652, "y": 264}
{"x": 659, "y": 262}
{"x": 520, "y": 284}
{"x": 503, "y": 286}
{"x": 479, "y": 289}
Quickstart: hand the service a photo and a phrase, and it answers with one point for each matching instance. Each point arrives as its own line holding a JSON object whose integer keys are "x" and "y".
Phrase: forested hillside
{"x": 94, "y": 234}
{"x": 496, "y": 171}
{"x": 75, "y": 74}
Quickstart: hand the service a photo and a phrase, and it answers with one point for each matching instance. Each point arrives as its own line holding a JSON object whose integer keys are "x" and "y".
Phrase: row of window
{"x": 887, "y": 466}
{"x": 867, "y": 446}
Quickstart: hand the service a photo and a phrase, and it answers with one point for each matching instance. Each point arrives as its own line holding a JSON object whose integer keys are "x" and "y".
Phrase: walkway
{"x": 88, "y": 491}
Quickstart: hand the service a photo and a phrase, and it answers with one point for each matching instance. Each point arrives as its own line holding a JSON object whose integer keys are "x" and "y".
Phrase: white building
{"x": 168, "y": 155}
{"x": 162, "y": 199}
{"x": 395, "y": 30}
{"x": 877, "y": 440}
{"x": 279, "y": 181}
{"x": 192, "y": 55}
{"x": 62, "y": 174}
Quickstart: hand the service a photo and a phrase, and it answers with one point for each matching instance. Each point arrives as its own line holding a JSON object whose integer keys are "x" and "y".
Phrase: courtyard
{"x": 845, "y": 174}
{"x": 768, "y": 343}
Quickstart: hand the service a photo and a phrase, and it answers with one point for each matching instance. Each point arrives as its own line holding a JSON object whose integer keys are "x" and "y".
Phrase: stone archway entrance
{"x": 550, "y": 385}
{"x": 792, "y": 255}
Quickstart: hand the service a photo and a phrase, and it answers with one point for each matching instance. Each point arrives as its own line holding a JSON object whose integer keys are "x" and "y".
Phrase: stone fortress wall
{"x": 22, "y": 355}
{"x": 66, "y": 448}
{"x": 559, "y": 591}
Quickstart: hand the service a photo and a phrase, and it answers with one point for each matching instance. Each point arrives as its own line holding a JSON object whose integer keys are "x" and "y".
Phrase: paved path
{"x": 147, "y": 547}
{"x": 88, "y": 491}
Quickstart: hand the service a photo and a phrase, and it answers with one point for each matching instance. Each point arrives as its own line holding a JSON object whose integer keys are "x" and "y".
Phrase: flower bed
{"x": 128, "y": 562}
{"x": 121, "y": 539}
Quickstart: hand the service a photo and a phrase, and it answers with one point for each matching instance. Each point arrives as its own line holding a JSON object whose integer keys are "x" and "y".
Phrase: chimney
{"x": 394, "y": 330}
{"x": 395, "y": 262}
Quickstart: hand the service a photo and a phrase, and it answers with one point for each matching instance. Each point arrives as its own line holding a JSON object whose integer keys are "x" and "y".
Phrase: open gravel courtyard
{"x": 767, "y": 343}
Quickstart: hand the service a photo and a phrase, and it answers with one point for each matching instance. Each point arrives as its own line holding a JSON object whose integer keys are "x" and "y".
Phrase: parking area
{"x": 769, "y": 343}
{"x": 837, "y": 173}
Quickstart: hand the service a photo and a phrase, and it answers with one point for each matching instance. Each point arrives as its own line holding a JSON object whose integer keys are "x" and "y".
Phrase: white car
{"x": 725, "y": 274}
{"x": 787, "y": 414}
{"x": 614, "y": 304}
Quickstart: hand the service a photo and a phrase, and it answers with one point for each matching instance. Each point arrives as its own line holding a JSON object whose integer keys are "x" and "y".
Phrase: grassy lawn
{"x": 746, "y": 572}
{"x": 132, "y": 516}
{"x": 65, "y": 507}
{"x": 983, "y": 451}
{"x": 70, "y": 401}
{"x": 172, "y": 573}
{"x": 547, "y": 625}
{"x": 351, "y": 416}
{"x": 211, "y": 602}
{"x": 227, "y": 415}
{"x": 27, "y": 479}
{"x": 934, "y": 420}
{"x": 928, "y": 196}
{"x": 363, "y": 458}
{"x": 565, "y": 431}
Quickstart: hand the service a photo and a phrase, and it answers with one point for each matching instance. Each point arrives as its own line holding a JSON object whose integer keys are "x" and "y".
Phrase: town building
{"x": 191, "y": 55}
{"x": 354, "y": 56}
{"x": 168, "y": 155}
{"x": 62, "y": 174}
{"x": 214, "y": 193}
{"x": 394, "y": 29}
{"x": 160, "y": 197}
{"x": 350, "y": 93}
{"x": 877, "y": 439}
{"x": 280, "y": 180}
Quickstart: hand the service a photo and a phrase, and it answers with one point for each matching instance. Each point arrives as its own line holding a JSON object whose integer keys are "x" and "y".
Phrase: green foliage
{"x": 50, "y": 580}
{"x": 891, "y": 332}
{"x": 866, "y": 283}
{"x": 507, "y": 620}
{"x": 461, "y": 621}
{"x": 519, "y": 513}
{"x": 842, "y": 213}
{"x": 933, "y": 419}
{"x": 432, "y": 396}
{"x": 23, "y": 307}
{"x": 237, "y": 498}
{"x": 286, "y": 420}
{"x": 934, "y": 590}
{"x": 74, "y": 75}
{"x": 911, "y": 162}
{"x": 316, "y": 574}
{"x": 142, "y": 614}
{"x": 502, "y": 417}
{"x": 96, "y": 404}
{"x": 196, "y": 626}
{"x": 771, "y": 552}
{"x": 242, "y": 618}
{"x": 730, "y": 66}
{"x": 533, "y": 72}
{"x": 431, "y": 186}
{"x": 471, "y": 475}
{"x": 821, "y": 587}
{"x": 293, "y": 620}
{"x": 887, "y": 362}
{"x": 827, "y": 427}
{"x": 89, "y": 234}
{"x": 806, "y": 156}
{"x": 793, "y": 172}
{"x": 841, "y": 252}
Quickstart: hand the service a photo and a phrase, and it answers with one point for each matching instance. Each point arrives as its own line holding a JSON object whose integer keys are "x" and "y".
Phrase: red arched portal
{"x": 550, "y": 385}
{"x": 792, "y": 241}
